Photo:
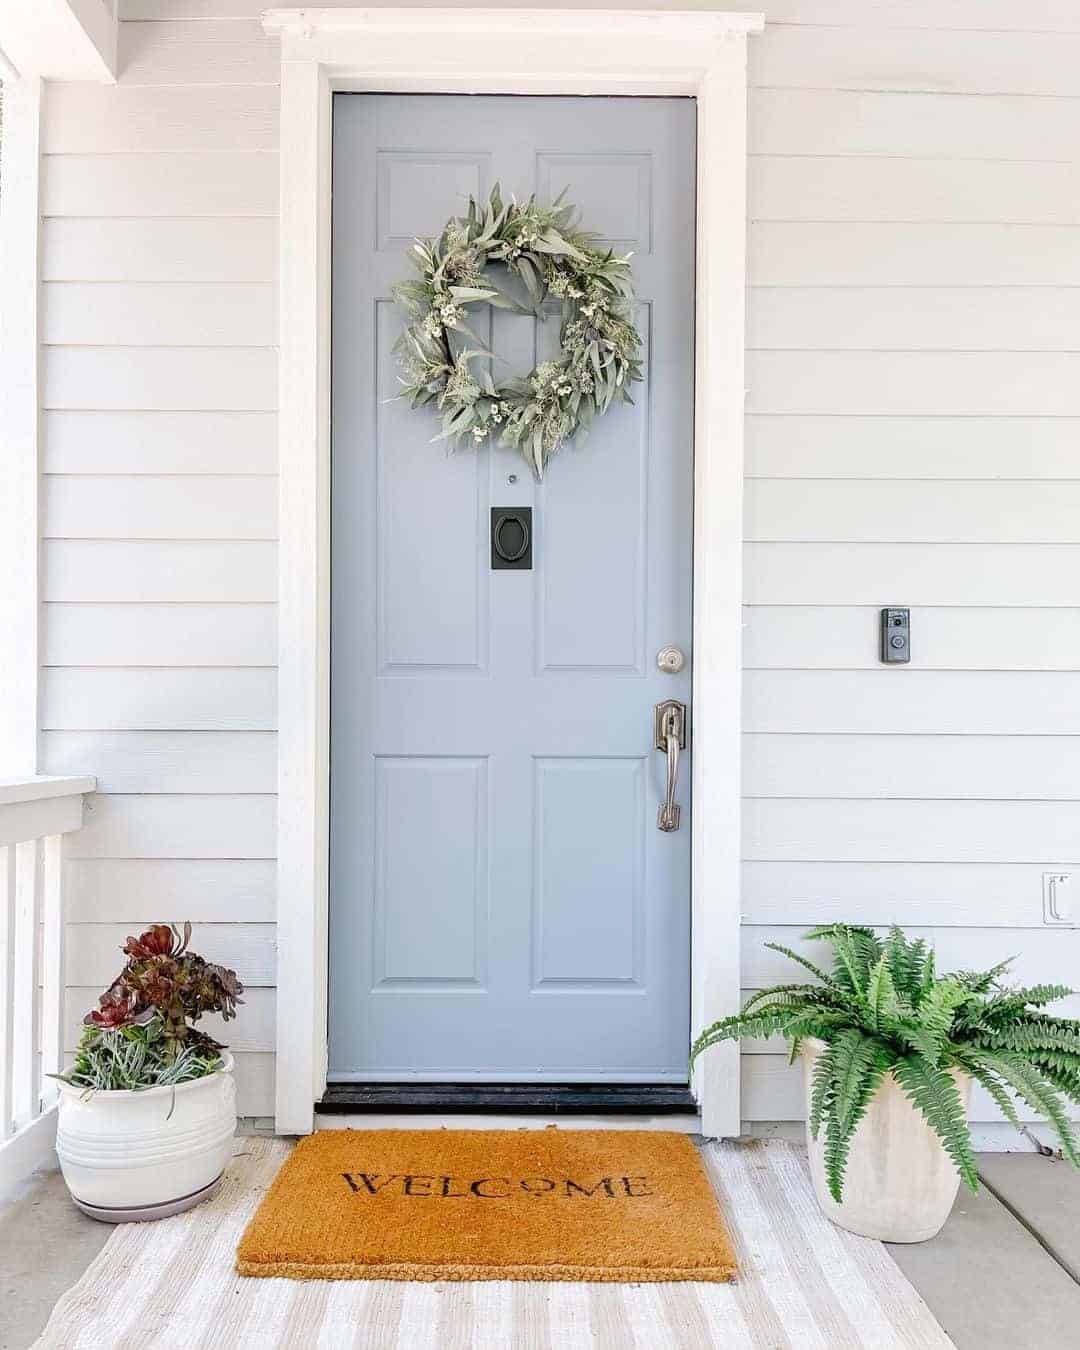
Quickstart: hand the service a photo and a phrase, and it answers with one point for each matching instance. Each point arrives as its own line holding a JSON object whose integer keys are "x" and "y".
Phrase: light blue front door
{"x": 503, "y": 905}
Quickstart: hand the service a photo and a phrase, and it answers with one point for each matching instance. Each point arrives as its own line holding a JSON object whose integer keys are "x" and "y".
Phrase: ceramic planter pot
{"x": 129, "y": 1156}
{"x": 900, "y": 1183}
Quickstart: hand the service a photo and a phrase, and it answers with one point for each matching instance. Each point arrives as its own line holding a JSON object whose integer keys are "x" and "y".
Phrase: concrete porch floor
{"x": 1004, "y": 1273}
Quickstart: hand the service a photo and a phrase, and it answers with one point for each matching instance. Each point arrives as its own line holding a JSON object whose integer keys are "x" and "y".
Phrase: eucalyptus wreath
{"x": 600, "y": 346}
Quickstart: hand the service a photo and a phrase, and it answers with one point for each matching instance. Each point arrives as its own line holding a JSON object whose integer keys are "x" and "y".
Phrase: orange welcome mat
{"x": 625, "y": 1205}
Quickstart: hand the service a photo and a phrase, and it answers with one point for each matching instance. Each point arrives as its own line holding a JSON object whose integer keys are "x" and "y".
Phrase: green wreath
{"x": 600, "y": 354}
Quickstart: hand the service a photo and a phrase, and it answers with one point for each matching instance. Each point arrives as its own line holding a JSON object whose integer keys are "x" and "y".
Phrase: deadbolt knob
{"x": 670, "y": 660}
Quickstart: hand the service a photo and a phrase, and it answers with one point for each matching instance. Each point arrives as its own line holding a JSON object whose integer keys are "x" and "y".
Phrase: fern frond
{"x": 1013, "y": 1005}
{"x": 1065, "y": 1080}
{"x": 934, "y": 1092}
{"x": 973, "y": 1063}
{"x": 928, "y": 1032}
{"x": 857, "y": 1069}
{"x": 1028, "y": 1036}
{"x": 822, "y": 1090}
{"x": 814, "y": 995}
{"x": 764, "y": 1022}
{"x": 982, "y": 981}
{"x": 816, "y": 971}
{"x": 856, "y": 950}
{"x": 907, "y": 961}
{"x": 929, "y": 975}
{"x": 881, "y": 998}
{"x": 1039, "y": 1094}
{"x": 1036, "y": 995}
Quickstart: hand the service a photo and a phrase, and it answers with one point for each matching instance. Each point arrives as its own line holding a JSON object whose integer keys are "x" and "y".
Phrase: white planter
{"x": 900, "y": 1184}
{"x": 142, "y": 1155}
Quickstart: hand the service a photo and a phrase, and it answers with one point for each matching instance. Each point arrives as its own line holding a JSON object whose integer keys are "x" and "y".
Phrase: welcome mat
{"x": 593, "y": 1205}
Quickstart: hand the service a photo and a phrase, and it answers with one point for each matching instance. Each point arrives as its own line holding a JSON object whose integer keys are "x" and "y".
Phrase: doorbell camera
{"x": 895, "y": 636}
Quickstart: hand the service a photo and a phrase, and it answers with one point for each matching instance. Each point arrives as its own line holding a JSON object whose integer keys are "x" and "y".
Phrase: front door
{"x": 504, "y": 907}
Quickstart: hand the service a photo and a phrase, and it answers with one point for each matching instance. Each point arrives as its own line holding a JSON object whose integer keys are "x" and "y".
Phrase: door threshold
{"x": 517, "y": 1098}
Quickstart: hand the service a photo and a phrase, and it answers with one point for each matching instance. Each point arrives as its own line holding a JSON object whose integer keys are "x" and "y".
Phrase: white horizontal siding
{"x": 222, "y": 249}
{"x": 934, "y": 512}
{"x": 914, "y": 327}
{"x": 167, "y": 761}
{"x": 237, "y": 182}
{"x": 156, "y": 570}
{"x": 913, "y": 574}
{"x": 878, "y": 253}
{"x": 86, "y": 119}
{"x": 89, "y": 507}
{"x": 196, "y": 827}
{"x": 905, "y": 318}
{"x": 950, "y": 383}
{"x": 204, "y": 890}
{"x": 890, "y": 189}
{"x": 1042, "y": 768}
{"x": 137, "y": 441}
{"x": 897, "y": 701}
{"x": 924, "y": 830}
{"x": 102, "y": 314}
{"x": 227, "y": 378}
{"x": 844, "y": 445}
{"x": 920, "y": 126}
{"x": 954, "y": 62}
{"x": 91, "y": 634}
{"x": 191, "y": 699}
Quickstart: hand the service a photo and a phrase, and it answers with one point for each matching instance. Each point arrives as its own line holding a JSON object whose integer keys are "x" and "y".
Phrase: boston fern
{"x": 884, "y": 1009}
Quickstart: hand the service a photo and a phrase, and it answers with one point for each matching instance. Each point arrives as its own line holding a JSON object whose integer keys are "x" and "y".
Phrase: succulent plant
{"x": 142, "y": 1032}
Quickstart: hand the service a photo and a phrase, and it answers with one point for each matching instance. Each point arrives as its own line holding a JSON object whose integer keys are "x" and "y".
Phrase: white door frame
{"x": 505, "y": 51}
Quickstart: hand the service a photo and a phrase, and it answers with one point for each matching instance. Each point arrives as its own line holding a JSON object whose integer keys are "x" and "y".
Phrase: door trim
{"x": 697, "y": 54}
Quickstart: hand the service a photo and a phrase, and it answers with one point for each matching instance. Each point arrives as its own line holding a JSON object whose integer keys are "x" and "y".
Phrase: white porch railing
{"x": 35, "y": 814}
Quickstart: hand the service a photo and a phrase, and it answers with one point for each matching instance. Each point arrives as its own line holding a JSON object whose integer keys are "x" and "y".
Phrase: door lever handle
{"x": 669, "y": 723}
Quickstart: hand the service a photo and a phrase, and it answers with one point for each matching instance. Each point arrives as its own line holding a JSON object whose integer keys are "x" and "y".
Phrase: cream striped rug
{"x": 804, "y": 1285}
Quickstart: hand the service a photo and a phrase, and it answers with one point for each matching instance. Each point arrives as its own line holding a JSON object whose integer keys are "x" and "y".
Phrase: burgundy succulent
{"x": 163, "y": 978}
{"x": 116, "y": 1009}
{"x": 161, "y": 939}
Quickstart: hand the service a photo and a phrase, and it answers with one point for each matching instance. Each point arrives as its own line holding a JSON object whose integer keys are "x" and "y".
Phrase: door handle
{"x": 669, "y": 725}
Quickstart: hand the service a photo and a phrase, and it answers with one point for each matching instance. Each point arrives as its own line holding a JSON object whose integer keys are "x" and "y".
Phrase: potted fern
{"x": 890, "y": 1050}
{"x": 148, "y": 1108}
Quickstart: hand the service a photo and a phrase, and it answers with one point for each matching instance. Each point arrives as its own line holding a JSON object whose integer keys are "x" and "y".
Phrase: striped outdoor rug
{"x": 804, "y": 1285}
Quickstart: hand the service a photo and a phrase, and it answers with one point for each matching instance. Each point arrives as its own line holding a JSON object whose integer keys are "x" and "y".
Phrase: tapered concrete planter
{"x": 143, "y": 1155}
{"x": 900, "y": 1183}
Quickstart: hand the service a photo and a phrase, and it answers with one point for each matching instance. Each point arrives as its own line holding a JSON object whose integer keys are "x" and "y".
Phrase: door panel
{"x": 503, "y": 906}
